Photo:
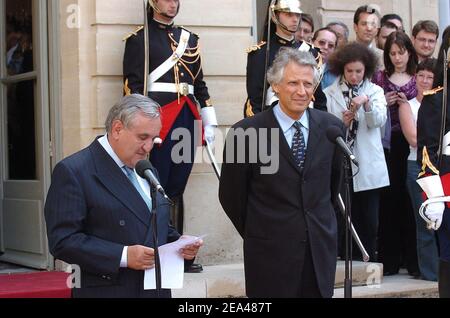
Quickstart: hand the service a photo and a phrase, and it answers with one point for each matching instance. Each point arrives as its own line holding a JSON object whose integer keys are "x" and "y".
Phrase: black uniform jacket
{"x": 428, "y": 132}
{"x": 163, "y": 42}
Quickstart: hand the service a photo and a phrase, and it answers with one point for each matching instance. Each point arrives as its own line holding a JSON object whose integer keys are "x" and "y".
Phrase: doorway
{"x": 25, "y": 150}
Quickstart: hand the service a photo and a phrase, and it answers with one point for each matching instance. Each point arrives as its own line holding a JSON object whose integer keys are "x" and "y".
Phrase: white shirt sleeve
{"x": 124, "y": 260}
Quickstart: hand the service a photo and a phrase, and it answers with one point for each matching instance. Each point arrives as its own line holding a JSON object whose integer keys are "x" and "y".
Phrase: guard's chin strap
{"x": 285, "y": 28}
{"x": 281, "y": 25}
{"x": 157, "y": 10}
{"x": 168, "y": 16}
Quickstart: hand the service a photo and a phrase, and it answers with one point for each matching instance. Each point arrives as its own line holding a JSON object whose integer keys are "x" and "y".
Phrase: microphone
{"x": 144, "y": 170}
{"x": 334, "y": 134}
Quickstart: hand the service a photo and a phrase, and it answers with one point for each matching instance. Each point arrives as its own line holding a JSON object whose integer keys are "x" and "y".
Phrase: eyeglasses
{"x": 429, "y": 41}
{"x": 366, "y": 24}
{"x": 329, "y": 45}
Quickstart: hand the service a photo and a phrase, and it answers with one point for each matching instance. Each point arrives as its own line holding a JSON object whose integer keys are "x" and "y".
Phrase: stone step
{"x": 223, "y": 281}
{"x": 396, "y": 286}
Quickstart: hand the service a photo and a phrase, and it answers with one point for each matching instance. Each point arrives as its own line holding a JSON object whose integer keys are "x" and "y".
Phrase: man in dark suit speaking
{"x": 283, "y": 207}
{"x": 98, "y": 210}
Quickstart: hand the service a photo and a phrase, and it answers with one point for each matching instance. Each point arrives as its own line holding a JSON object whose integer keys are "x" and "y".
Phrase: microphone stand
{"x": 155, "y": 242}
{"x": 348, "y": 238}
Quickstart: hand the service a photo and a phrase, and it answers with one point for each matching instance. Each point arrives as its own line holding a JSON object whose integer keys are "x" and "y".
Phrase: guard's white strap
{"x": 209, "y": 117}
{"x": 432, "y": 186}
{"x": 271, "y": 97}
{"x": 446, "y": 145}
{"x": 304, "y": 47}
{"x": 172, "y": 60}
{"x": 168, "y": 88}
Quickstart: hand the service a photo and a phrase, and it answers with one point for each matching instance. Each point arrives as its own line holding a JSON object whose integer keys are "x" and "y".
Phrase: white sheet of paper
{"x": 172, "y": 265}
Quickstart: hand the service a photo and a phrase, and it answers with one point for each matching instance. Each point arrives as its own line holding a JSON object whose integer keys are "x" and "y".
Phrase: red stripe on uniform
{"x": 170, "y": 113}
{"x": 445, "y": 180}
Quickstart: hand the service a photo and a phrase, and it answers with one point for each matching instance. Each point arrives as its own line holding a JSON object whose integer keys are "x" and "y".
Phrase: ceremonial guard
{"x": 285, "y": 18}
{"x": 168, "y": 69}
{"x": 433, "y": 140}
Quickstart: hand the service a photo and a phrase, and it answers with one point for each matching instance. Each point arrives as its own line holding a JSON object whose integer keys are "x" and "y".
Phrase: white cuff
{"x": 124, "y": 259}
{"x": 209, "y": 116}
{"x": 432, "y": 186}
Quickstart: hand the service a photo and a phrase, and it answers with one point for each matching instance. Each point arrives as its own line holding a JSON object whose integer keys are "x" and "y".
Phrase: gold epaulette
{"x": 319, "y": 60}
{"x": 133, "y": 33}
{"x": 255, "y": 47}
{"x": 433, "y": 91}
{"x": 126, "y": 89}
{"x": 249, "y": 109}
{"x": 426, "y": 163}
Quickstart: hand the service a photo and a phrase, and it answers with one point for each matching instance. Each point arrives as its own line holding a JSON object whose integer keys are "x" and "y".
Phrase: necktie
{"x": 132, "y": 177}
{"x": 298, "y": 146}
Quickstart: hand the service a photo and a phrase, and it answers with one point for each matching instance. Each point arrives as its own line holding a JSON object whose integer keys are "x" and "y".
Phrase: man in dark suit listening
{"x": 98, "y": 209}
{"x": 283, "y": 207}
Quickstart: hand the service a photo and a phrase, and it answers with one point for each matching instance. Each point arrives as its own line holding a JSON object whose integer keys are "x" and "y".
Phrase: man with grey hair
{"x": 342, "y": 31}
{"x": 98, "y": 209}
{"x": 288, "y": 225}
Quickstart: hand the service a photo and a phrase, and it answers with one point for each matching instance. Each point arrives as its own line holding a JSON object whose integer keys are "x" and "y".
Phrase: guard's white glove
{"x": 432, "y": 186}
{"x": 209, "y": 123}
{"x": 434, "y": 214}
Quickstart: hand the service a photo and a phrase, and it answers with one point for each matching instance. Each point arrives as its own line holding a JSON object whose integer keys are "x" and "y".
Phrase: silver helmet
{"x": 288, "y": 6}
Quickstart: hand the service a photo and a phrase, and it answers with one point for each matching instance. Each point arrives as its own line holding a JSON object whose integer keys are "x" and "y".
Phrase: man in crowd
{"x": 386, "y": 29}
{"x": 342, "y": 32}
{"x": 306, "y": 30}
{"x": 424, "y": 37}
{"x": 395, "y": 19}
{"x": 366, "y": 23}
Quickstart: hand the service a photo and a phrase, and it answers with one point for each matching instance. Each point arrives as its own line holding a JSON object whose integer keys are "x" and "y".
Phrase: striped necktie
{"x": 298, "y": 145}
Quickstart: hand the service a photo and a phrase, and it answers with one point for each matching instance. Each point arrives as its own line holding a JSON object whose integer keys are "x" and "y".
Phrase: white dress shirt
{"x": 286, "y": 124}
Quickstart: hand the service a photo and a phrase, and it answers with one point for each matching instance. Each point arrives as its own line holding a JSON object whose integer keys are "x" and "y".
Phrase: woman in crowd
{"x": 397, "y": 226}
{"x": 427, "y": 251}
{"x": 361, "y": 105}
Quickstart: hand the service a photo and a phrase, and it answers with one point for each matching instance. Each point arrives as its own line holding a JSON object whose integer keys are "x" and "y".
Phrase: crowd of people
{"x": 375, "y": 85}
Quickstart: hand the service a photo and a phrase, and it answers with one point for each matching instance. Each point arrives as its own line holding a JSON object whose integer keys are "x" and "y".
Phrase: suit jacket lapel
{"x": 112, "y": 178}
{"x": 285, "y": 150}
